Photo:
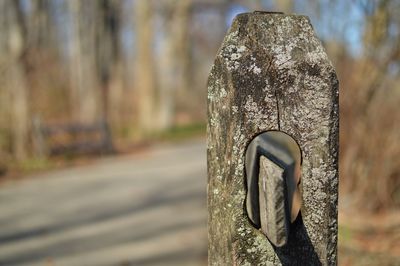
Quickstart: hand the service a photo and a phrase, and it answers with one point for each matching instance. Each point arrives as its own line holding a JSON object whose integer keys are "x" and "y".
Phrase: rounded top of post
{"x": 262, "y": 13}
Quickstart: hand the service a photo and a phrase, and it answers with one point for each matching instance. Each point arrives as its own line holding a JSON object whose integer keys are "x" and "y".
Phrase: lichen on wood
{"x": 272, "y": 73}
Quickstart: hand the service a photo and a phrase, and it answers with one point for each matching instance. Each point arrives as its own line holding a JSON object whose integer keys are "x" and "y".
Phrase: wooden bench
{"x": 71, "y": 138}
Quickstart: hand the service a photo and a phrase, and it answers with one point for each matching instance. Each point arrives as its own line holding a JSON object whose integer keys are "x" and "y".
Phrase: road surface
{"x": 147, "y": 209}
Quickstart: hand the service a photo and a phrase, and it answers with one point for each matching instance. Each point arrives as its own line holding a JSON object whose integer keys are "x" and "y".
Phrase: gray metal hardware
{"x": 273, "y": 199}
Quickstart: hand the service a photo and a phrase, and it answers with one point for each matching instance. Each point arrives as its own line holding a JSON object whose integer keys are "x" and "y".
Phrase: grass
{"x": 35, "y": 164}
{"x": 127, "y": 135}
{"x": 345, "y": 233}
{"x": 182, "y": 132}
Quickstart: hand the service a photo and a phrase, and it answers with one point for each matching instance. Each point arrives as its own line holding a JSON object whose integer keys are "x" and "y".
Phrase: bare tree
{"x": 109, "y": 61}
{"x": 174, "y": 59}
{"x": 13, "y": 69}
{"x": 41, "y": 32}
{"x": 84, "y": 93}
{"x": 144, "y": 74}
{"x": 369, "y": 134}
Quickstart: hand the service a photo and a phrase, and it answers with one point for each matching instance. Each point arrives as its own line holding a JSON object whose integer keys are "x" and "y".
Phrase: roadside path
{"x": 128, "y": 210}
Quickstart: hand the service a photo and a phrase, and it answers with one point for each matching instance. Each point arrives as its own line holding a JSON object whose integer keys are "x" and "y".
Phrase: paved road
{"x": 147, "y": 209}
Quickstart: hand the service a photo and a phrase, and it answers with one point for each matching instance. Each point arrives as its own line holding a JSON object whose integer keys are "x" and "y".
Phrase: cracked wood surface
{"x": 272, "y": 73}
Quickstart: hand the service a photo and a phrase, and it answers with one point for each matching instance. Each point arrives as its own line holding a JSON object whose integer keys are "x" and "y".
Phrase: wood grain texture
{"x": 272, "y": 73}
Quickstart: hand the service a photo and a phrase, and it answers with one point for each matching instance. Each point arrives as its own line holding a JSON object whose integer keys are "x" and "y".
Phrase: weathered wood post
{"x": 272, "y": 73}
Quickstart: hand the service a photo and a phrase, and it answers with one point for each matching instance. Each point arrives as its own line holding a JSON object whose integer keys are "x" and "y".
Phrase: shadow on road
{"x": 114, "y": 219}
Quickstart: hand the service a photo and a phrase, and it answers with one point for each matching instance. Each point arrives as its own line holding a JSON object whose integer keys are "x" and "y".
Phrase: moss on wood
{"x": 272, "y": 73}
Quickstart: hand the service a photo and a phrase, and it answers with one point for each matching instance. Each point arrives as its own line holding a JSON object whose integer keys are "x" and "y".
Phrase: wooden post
{"x": 272, "y": 73}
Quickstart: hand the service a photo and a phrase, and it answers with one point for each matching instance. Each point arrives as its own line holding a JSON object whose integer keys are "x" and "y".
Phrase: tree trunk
{"x": 14, "y": 44}
{"x": 41, "y": 28}
{"x": 84, "y": 92}
{"x": 175, "y": 60}
{"x": 145, "y": 79}
{"x": 183, "y": 44}
{"x": 109, "y": 57}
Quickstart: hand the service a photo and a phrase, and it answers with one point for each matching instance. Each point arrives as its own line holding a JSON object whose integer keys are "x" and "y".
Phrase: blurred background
{"x": 102, "y": 127}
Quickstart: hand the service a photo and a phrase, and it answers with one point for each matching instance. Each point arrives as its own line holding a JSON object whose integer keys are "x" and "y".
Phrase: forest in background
{"x": 141, "y": 66}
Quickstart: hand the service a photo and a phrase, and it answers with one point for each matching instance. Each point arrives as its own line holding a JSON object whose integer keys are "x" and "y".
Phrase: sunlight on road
{"x": 130, "y": 210}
